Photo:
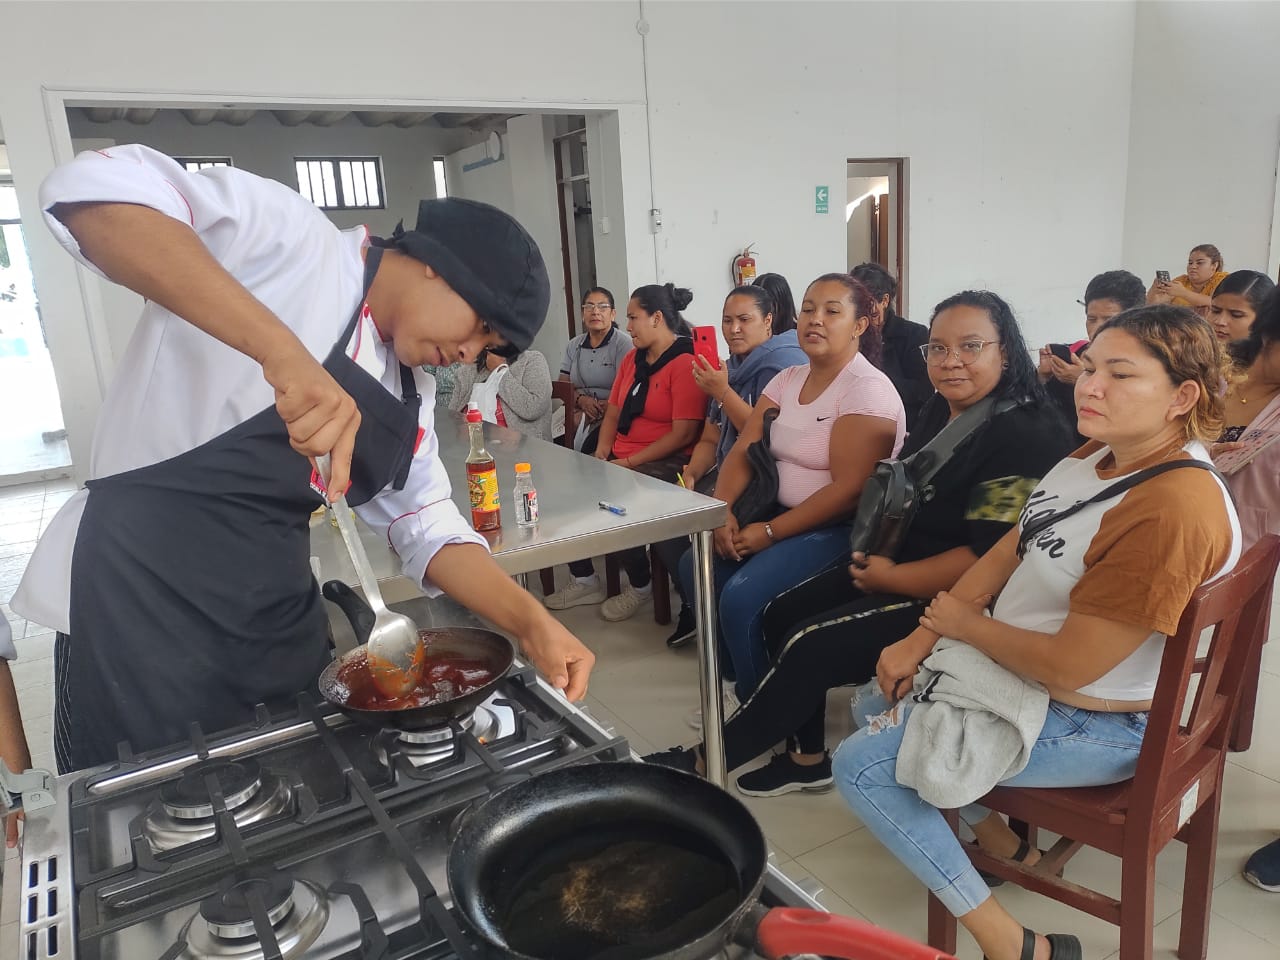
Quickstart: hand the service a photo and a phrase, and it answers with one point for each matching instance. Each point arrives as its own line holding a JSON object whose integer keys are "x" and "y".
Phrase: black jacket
{"x": 902, "y": 363}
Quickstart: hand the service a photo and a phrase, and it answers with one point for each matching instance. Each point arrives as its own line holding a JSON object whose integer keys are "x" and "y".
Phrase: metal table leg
{"x": 708, "y": 658}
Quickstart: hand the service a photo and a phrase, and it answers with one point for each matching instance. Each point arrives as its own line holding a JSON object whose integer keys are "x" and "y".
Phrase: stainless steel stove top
{"x": 299, "y": 837}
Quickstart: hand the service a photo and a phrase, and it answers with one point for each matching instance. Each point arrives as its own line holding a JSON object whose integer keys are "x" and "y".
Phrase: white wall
{"x": 1014, "y": 118}
{"x": 1204, "y": 136}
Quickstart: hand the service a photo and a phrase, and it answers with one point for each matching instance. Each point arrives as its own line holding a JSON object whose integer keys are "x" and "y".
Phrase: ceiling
{"x": 292, "y": 118}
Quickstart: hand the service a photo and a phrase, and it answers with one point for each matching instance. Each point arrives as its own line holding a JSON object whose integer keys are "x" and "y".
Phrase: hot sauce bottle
{"x": 482, "y": 477}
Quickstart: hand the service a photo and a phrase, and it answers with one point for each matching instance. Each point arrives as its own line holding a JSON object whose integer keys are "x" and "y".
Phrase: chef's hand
{"x": 321, "y": 417}
{"x": 11, "y": 829}
{"x": 872, "y": 573}
{"x": 711, "y": 380}
{"x": 560, "y": 656}
{"x": 725, "y": 537}
{"x": 949, "y": 616}
{"x": 751, "y": 540}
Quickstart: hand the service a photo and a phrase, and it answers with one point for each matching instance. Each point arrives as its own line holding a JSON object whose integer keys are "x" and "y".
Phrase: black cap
{"x": 487, "y": 258}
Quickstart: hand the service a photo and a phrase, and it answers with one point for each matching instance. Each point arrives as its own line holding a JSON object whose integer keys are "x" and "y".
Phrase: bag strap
{"x": 926, "y": 462}
{"x": 1033, "y": 530}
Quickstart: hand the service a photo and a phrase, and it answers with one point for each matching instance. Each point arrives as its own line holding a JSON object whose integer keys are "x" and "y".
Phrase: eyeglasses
{"x": 596, "y": 308}
{"x": 967, "y": 352}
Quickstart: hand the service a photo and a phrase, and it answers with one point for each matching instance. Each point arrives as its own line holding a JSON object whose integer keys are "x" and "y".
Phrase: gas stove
{"x": 301, "y": 836}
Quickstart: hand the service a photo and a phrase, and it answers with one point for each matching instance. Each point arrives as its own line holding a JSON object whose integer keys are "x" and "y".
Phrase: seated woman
{"x": 1253, "y": 404}
{"x": 837, "y": 416}
{"x": 829, "y": 631}
{"x": 523, "y": 391}
{"x": 901, "y": 360}
{"x": 1084, "y": 610}
{"x": 1196, "y": 287}
{"x": 760, "y": 347}
{"x": 591, "y": 362}
{"x": 1236, "y": 303}
{"x": 651, "y": 424}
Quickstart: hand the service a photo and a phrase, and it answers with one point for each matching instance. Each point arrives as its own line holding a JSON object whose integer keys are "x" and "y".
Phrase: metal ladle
{"x": 396, "y": 653}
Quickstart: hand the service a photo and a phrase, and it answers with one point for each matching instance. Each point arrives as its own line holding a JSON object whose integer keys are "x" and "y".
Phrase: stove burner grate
{"x": 188, "y": 797}
{"x": 434, "y": 744}
{"x": 224, "y": 926}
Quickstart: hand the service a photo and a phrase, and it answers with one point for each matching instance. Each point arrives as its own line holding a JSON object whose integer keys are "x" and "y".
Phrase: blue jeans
{"x": 1076, "y": 748}
{"x": 744, "y": 589}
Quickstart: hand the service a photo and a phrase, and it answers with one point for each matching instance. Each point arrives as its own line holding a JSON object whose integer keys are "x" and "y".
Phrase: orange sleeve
{"x": 687, "y": 401}
{"x": 622, "y": 381}
{"x": 1153, "y": 549}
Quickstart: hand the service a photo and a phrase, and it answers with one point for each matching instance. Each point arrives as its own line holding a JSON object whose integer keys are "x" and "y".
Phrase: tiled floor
{"x": 646, "y": 691}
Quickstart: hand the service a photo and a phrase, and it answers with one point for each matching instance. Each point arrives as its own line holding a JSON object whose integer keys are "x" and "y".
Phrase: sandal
{"x": 1062, "y": 946}
{"x": 1020, "y": 856}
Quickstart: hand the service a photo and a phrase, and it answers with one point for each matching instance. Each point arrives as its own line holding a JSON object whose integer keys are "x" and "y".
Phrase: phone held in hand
{"x": 704, "y": 345}
{"x": 1061, "y": 351}
{"x": 1162, "y": 276}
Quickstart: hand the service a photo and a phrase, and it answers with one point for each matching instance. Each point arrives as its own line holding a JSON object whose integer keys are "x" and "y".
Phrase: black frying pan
{"x": 631, "y": 861}
{"x": 484, "y": 649}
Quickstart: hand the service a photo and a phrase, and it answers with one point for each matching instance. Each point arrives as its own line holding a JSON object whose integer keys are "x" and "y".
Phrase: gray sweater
{"x": 972, "y": 725}
{"x": 525, "y": 393}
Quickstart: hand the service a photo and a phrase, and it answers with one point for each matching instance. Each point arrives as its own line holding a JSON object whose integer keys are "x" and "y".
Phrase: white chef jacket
{"x": 177, "y": 387}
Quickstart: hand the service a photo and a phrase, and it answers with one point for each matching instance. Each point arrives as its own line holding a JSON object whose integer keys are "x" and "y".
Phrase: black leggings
{"x": 822, "y": 634}
{"x": 635, "y": 561}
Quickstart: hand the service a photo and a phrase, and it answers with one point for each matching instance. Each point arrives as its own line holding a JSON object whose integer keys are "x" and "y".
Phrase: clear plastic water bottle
{"x": 526, "y": 496}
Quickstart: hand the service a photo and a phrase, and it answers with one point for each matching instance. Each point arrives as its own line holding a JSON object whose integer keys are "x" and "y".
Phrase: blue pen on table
{"x": 612, "y": 508}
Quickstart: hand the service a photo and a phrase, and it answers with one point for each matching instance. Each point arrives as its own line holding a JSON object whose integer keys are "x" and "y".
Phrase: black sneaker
{"x": 783, "y": 775}
{"x": 686, "y": 629}
{"x": 1263, "y": 868}
{"x": 678, "y": 758}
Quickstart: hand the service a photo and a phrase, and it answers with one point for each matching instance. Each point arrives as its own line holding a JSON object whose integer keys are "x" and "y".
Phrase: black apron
{"x": 192, "y": 597}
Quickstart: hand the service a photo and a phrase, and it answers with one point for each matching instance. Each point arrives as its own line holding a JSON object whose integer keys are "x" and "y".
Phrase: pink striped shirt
{"x": 801, "y": 436}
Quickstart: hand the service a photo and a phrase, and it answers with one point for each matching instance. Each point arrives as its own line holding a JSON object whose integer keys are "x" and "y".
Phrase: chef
{"x": 179, "y": 581}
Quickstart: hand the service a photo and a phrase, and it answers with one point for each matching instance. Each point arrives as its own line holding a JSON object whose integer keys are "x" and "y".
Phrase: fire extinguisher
{"x": 744, "y": 267}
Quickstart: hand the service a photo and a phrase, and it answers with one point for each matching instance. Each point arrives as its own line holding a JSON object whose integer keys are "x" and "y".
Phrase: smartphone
{"x": 1061, "y": 351}
{"x": 704, "y": 345}
{"x": 1162, "y": 276}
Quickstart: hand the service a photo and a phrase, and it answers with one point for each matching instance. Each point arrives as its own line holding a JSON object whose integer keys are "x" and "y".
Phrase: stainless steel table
{"x": 571, "y": 527}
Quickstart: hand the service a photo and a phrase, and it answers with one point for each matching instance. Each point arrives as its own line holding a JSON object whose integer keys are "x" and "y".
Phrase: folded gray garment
{"x": 972, "y": 725}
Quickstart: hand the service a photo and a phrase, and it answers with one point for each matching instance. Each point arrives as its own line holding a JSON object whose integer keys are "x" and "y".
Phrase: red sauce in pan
{"x": 442, "y": 680}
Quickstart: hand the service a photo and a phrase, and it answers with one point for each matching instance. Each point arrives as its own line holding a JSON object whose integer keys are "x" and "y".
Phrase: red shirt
{"x": 672, "y": 396}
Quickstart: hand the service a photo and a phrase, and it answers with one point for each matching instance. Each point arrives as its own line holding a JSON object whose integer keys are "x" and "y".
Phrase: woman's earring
{"x": 1005, "y": 365}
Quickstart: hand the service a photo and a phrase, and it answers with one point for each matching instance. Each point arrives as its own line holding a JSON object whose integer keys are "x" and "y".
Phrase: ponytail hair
{"x": 668, "y": 300}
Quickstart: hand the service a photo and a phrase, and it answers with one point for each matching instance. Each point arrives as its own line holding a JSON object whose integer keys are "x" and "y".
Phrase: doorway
{"x": 33, "y": 440}
{"x": 875, "y": 217}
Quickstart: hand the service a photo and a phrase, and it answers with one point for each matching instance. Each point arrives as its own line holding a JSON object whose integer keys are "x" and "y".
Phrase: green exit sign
{"x": 821, "y": 200}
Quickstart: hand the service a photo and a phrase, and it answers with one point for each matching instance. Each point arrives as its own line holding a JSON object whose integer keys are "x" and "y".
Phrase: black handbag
{"x": 759, "y": 502}
{"x": 893, "y": 492}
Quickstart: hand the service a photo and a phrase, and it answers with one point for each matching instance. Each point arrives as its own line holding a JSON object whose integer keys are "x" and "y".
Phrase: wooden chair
{"x": 1176, "y": 791}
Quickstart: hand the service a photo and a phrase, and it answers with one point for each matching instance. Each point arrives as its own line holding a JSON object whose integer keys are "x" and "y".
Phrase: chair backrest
{"x": 562, "y": 390}
{"x": 1237, "y": 608}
